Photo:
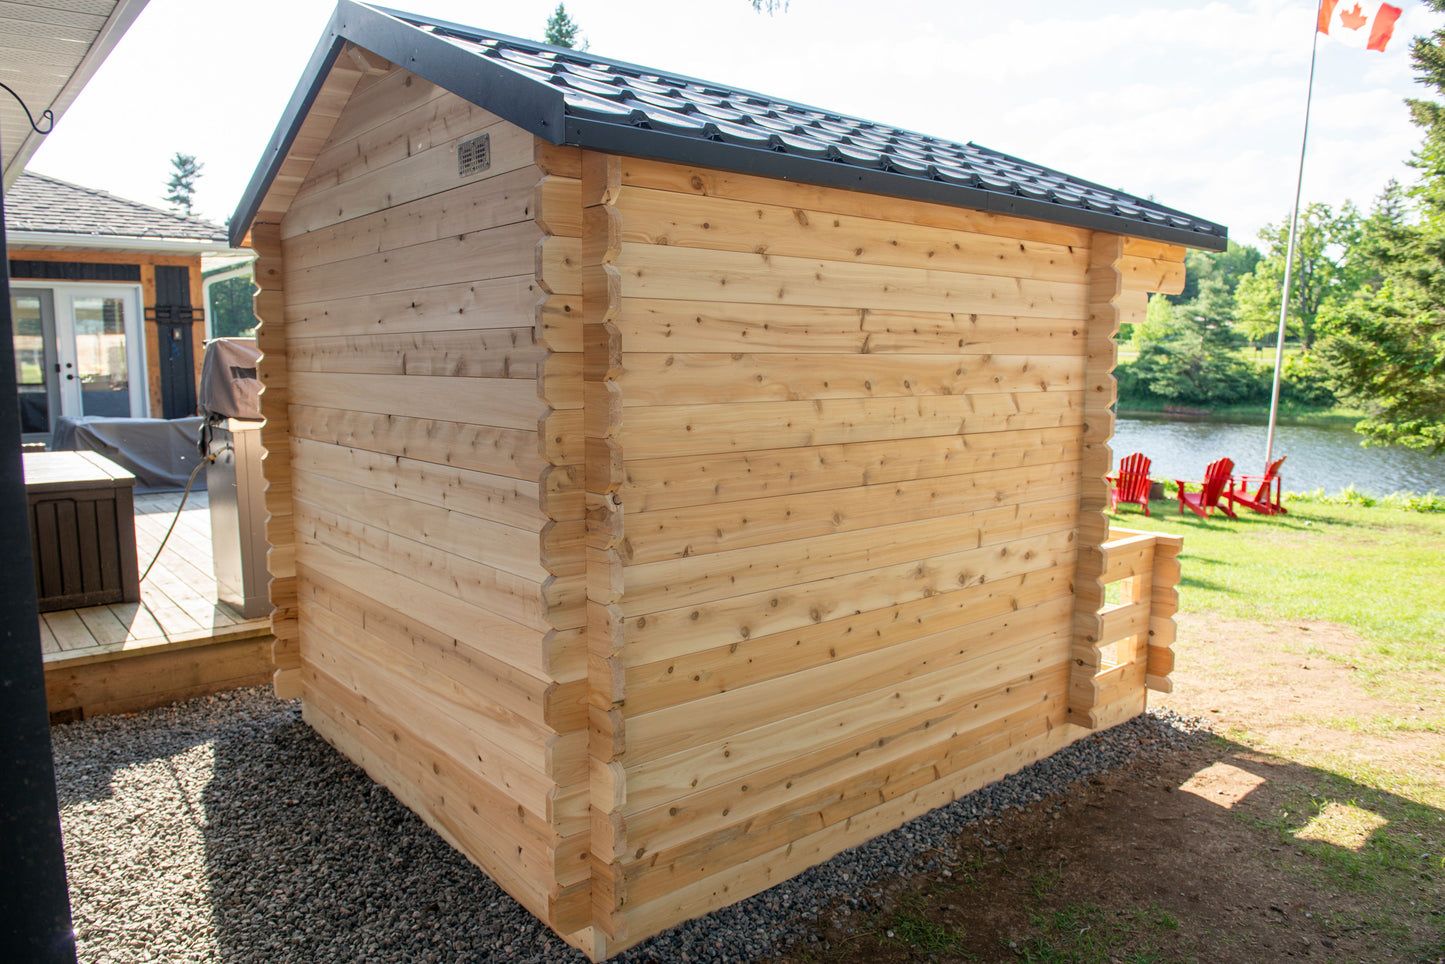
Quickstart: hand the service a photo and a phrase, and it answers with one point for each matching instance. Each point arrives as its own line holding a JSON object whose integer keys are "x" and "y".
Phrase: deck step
{"x": 178, "y": 642}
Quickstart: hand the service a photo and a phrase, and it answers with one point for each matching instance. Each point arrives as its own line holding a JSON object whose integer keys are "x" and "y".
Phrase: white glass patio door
{"x": 78, "y": 351}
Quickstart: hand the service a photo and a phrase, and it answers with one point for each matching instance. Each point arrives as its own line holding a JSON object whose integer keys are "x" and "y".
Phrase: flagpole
{"x": 1289, "y": 257}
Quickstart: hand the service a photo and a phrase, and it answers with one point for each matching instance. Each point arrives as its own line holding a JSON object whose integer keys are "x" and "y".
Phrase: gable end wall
{"x": 434, "y": 646}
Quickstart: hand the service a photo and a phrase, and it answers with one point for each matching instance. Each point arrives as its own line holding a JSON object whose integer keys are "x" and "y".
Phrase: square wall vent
{"x": 474, "y": 156}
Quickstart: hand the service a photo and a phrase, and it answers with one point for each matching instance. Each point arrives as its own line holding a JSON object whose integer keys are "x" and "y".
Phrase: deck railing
{"x": 1136, "y": 638}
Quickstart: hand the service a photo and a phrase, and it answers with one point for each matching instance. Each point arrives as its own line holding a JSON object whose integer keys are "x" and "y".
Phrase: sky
{"x": 1198, "y": 104}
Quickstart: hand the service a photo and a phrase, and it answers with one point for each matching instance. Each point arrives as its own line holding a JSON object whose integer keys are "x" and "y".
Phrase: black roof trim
{"x": 279, "y": 146}
{"x": 613, "y": 138}
{"x": 577, "y": 98}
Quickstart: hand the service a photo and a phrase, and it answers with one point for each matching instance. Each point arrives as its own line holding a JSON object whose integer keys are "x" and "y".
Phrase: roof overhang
{"x": 59, "y": 241}
{"x": 51, "y": 55}
{"x": 541, "y": 110}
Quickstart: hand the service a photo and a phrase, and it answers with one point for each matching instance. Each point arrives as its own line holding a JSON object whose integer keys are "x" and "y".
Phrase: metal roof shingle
{"x": 576, "y": 98}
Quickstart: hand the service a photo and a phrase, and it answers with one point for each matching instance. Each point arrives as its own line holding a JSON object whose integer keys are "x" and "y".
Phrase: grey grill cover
{"x": 229, "y": 386}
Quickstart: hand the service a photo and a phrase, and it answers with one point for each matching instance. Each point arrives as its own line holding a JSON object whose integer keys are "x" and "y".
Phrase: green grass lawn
{"x": 1378, "y": 569}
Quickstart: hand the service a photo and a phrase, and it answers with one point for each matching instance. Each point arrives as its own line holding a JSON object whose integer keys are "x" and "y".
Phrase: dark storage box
{"x": 82, "y": 530}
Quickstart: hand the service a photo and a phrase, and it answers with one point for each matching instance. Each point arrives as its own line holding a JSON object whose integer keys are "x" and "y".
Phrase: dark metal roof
{"x": 46, "y": 205}
{"x": 577, "y": 98}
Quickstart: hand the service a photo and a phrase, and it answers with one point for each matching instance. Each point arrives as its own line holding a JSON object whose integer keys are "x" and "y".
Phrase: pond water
{"x": 1330, "y": 458}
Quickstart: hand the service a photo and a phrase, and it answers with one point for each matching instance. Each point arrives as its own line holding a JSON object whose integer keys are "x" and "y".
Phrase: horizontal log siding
{"x": 849, "y": 431}
{"x": 440, "y": 618}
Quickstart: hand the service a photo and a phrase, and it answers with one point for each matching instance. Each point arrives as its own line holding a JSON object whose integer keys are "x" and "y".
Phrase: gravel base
{"x": 224, "y": 829}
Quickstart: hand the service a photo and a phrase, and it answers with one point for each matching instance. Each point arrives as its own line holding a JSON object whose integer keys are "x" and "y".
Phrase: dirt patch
{"x": 1226, "y": 851}
{"x": 1292, "y": 687}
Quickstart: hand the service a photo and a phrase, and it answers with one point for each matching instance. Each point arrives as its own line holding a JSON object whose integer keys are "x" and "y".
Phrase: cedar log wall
{"x": 841, "y": 452}
{"x": 817, "y": 555}
{"x": 435, "y": 648}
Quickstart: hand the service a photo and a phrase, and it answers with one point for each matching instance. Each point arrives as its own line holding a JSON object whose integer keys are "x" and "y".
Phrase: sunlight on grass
{"x": 1343, "y": 825}
{"x": 1359, "y": 838}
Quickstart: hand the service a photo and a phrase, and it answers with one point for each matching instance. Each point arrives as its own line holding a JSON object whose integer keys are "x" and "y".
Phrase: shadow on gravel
{"x": 116, "y": 743}
{"x": 310, "y": 861}
{"x": 1215, "y": 853}
{"x": 295, "y": 855}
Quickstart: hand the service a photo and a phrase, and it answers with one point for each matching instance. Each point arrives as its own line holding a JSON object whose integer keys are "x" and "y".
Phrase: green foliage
{"x": 1388, "y": 352}
{"x": 769, "y": 6}
{"x": 232, "y": 307}
{"x": 1188, "y": 357}
{"x": 1158, "y": 323}
{"x": 563, "y": 31}
{"x": 1228, "y": 266}
{"x": 1328, "y": 271}
{"x": 181, "y": 188}
{"x": 1306, "y": 380}
{"x": 1403, "y": 501}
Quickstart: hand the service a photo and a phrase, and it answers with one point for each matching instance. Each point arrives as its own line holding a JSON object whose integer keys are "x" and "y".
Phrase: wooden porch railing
{"x": 1135, "y": 645}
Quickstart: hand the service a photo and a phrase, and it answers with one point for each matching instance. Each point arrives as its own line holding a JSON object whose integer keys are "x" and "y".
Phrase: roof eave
{"x": 121, "y": 17}
{"x": 515, "y": 99}
{"x": 532, "y": 106}
{"x": 540, "y": 109}
{"x": 284, "y": 136}
{"x": 637, "y": 141}
{"x": 59, "y": 240}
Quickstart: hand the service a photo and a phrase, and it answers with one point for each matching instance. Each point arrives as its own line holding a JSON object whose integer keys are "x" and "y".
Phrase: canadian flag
{"x": 1359, "y": 23}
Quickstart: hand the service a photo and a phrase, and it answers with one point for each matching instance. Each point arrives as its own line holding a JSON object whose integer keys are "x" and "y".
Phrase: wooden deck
{"x": 178, "y": 642}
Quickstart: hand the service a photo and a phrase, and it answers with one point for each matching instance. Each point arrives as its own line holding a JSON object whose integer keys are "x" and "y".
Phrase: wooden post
{"x": 602, "y": 416}
{"x": 1163, "y": 604}
{"x": 1105, "y": 289}
{"x": 276, "y": 463}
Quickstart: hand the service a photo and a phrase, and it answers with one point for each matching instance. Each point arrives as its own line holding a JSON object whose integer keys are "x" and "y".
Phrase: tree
{"x": 182, "y": 185}
{"x": 1229, "y": 266}
{"x": 232, "y": 307}
{"x": 1327, "y": 272}
{"x": 769, "y": 6}
{"x": 1388, "y": 347}
{"x": 563, "y": 31}
{"x": 1189, "y": 356}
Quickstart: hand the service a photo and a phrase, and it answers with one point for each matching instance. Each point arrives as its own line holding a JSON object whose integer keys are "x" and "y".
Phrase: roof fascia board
{"x": 516, "y": 99}
{"x": 313, "y": 79}
{"x": 51, "y": 240}
{"x": 620, "y": 139}
{"x": 122, "y": 15}
{"x": 533, "y": 106}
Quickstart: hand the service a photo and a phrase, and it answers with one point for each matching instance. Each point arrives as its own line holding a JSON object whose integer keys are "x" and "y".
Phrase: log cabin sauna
{"x": 671, "y": 486}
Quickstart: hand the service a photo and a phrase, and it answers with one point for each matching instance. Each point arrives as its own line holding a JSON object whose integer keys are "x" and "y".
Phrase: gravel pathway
{"x": 224, "y": 829}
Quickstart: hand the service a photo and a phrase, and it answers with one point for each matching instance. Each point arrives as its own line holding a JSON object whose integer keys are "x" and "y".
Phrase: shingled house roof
{"x": 48, "y": 206}
{"x": 577, "y": 98}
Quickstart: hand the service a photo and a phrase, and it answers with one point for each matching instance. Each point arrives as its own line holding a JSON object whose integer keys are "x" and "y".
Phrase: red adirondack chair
{"x": 1211, "y": 490}
{"x": 1132, "y": 483}
{"x": 1267, "y": 495}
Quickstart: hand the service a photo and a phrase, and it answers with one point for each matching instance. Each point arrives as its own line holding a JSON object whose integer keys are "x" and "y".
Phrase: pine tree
{"x": 562, "y": 30}
{"x": 182, "y": 185}
{"x": 1388, "y": 349}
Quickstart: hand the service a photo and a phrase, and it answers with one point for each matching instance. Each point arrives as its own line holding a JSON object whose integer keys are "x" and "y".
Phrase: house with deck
{"x": 671, "y": 485}
{"x": 106, "y": 296}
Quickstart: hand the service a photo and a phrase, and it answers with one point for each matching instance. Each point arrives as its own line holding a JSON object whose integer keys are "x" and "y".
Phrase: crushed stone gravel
{"x": 225, "y": 829}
